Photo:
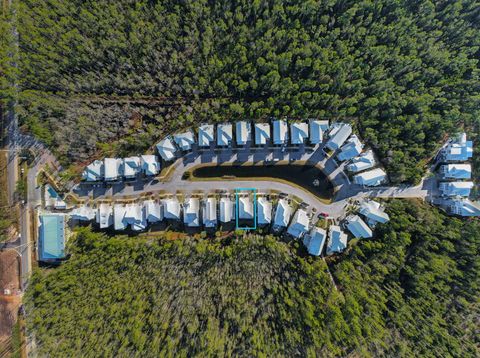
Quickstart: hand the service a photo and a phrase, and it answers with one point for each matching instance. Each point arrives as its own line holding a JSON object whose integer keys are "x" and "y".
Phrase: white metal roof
{"x": 460, "y": 188}
{"x": 339, "y": 133}
{"x": 131, "y": 166}
{"x": 191, "y": 212}
{"x": 262, "y": 133}
{"x": 245, "y": 208}
{"x": 460, "y": 149}
{"x": 283, "y": 213}
{"x": 113, "y": 168}
{"x": 150, "y": 164}
{"x": 104, "y": 217}
{"x": 280, "y": 132}
{"x": 372, "y": 177}
{"x": 298, "y": 132}
{"x": 456, "y": 171}
{"x": 362, "y": 162}
{"x": 243, "y": 131}
{"x": 316, "y": 241}
{"x": 264, "y": 211}
{"x": 210, "y": 212}
{"x": 317, "y": 128}
{"x": 83, "y": 213}
{"x": 166, "y": 149}
{"x": 373, "y": 212}
{"x": 224, "y": 134}
{"x": 171, "y": 209}
{"x": 337, "y": 240}
{"x": 350, "y": 149}
{"x": 358, "y": 227}
{"x": 94, "y": 171}
{"x": 226, "y": 210}
{"x": 205, "y": 135}
{"x": 135, "y": 216}
{"x": 153, "y": 211}
{"x": 465, "y": 207}
{"x": 300, "y": 224}
{"x": 119, "y": 211}
{"x": 185, "y": 140}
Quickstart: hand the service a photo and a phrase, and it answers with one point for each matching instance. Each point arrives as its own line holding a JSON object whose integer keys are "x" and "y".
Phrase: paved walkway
{"x": 345, "y": 190}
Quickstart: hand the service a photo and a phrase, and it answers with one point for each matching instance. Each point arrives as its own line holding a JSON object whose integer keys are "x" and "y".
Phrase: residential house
{"x": 372, "y": 177}
{"x": 350, "y": 149}
{"x": 171, "y": 209}
{"x": 94, "y": 171}
{"x": 227, "y": 210}
{"x": 245, "y": 208}
{"x": 243, "y": 131}
{"x": 337, "y": 240}
{"x": 358, "y": 227}
{"x": 463, "y": 207}
{"x": 300, "y": 224}
{"x": 135, "y": 217}
{"x": 317, "y": 128}
{"x": 131, "y": 167}
{"x": 315, "y": 241}
{"x": 283, "y": 213}
{"x": 456, "y": 171}
{"x": 456, "y": 188}
{"x": 150, "y": 164}
{"x": 363, "y": 162}
{"x": 104, "y": 216}
{"x": 459, "y": 150}
{"x": 113, "y": 168}
{"x": 298, "y": 132}
{"x": 224, "y": 134}
{"x": 262, "y": 133}
{"x": 280, "y": 132}
{"x": 184, "y": 140}
{"x": 83, "y": 213}
{"x": 153, "y": 211}
{"x": 205, "y": 135}
{"x": 264, "y": 211}
{"x": 339, "y": 133}
{"x": 210, "y": 213}
{"x": 373, "y": 212}
{"x": 166, "y": 148}
{"x": 119, "y": 211}
{"x": 191, "y": 212}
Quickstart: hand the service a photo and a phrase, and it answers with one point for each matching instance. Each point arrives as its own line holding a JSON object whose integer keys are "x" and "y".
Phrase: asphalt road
{"x": 174, "y": 183}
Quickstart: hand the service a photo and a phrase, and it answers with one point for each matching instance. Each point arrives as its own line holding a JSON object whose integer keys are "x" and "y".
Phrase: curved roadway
{"x": 173, "y": 182}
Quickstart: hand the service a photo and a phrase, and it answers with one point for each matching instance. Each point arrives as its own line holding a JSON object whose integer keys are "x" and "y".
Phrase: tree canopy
{"x": 404, "y": 72}
{"x": 413, "y": 290}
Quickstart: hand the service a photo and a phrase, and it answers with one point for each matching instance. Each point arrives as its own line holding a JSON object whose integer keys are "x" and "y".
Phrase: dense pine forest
{"x": 410, "y": 291}
{"x": 103, "y": 77}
